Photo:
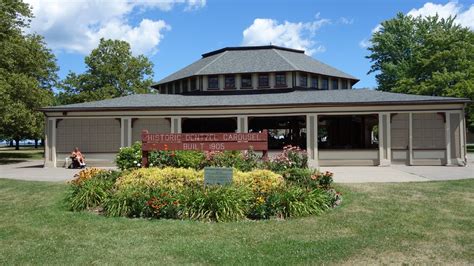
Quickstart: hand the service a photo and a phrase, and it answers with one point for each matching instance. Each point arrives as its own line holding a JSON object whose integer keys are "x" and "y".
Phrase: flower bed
{"x": 179, "y": 193}
{"x": 173, "y": 188}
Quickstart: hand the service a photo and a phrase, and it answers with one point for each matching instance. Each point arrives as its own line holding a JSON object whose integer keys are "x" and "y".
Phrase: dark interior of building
{"x": 348, "y": 132}
{"x": 282, "y": 131}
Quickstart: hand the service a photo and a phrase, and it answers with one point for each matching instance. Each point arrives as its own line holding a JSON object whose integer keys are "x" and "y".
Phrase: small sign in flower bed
{"x": 175, "y": 192}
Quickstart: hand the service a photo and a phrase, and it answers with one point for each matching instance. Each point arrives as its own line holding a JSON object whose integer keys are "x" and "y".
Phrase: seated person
{"x": 77, "y": 158}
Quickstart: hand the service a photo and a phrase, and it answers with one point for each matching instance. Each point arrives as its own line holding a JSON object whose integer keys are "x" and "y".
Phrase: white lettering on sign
{"x": 217, "y": 146}
{"x": 241, "y": 137}
{"x": 190, "y": 146}
{"x": 204, "y": 137}
{"x": 200, "y": 137}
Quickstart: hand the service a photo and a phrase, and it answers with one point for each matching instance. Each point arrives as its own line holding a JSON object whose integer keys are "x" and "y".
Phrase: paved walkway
{"x": 33, "y": 170}
{"x": 401, "y": 173}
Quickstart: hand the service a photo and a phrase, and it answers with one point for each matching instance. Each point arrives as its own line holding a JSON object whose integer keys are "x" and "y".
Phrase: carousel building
{"x": 299, "y": 100}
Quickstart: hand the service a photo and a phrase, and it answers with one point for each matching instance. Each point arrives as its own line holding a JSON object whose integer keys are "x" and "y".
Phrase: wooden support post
{"x": 316, "y": 155}
{"x": 410, "y": 139}
{"x": 381, "y": 139}
{"x": 463, "y": 137}
{"x": 144, "y": 159}
{"x": 447, "y": 127}
{"x": 144, "y": 153}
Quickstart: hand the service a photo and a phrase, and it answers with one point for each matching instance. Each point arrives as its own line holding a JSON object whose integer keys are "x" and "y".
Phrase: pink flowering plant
{"x": 290, "y": 157}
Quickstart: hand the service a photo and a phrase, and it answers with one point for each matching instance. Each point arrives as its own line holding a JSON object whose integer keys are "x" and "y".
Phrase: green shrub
{"x": 161, "y": 159}
{"x": 216, "y": 203}
{"x": 144, "y": 202}
{"x": 129, "y": 157}
{"x": 189, "y": 159}
{"x": 295, "y": 201}
{"x": 91, "y": 192}
{"x": 303, "y": 177}
{"x": 178, "y": 159}
{"x": 85, "y": 174}
{"x": 260, "y": 181}
{"x": 243, "y": 161}
{"x": 128, "y": 202}
{"x": 324, "y": 179}
{"x": 165, "y": 178}
{"x": 290, "y": 201}
{"x": 164, "y": 204}
{"x": 308, "y": 178}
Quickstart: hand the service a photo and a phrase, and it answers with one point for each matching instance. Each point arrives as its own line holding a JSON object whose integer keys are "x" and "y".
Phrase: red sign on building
{"x": 202, "y": 142}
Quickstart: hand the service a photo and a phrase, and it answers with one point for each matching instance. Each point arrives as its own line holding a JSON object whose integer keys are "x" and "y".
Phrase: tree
{"x": 27, "y": 74}
{"x": 112, "y": 71}
{"x": 14, "y": 15}
{"x": 427, "y": 56}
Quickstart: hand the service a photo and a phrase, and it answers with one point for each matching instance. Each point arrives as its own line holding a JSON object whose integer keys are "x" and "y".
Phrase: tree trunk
{"x": 11, "y": 143}
{"x": 36, "y": 143}
{"x": 17, "y": 144}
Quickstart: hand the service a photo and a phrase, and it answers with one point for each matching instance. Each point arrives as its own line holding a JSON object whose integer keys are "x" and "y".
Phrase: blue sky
{"x": 174, "y": 33}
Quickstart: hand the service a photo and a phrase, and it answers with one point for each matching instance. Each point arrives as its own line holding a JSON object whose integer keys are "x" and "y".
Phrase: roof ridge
{"x": 208, "y": 64}
{"x": 286, "y": 59}
{"x": 252, "y": 47}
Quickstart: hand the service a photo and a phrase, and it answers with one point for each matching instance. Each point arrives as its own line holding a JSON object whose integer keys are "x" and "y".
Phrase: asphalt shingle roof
{"x": 254, "y": 59}
{"x": 298, "y": 97}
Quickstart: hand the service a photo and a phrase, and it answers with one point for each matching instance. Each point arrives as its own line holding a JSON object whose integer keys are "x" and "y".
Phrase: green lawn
{"x": 377, "y": 223}
{"x": 9, "y": 155}
{"x": 470, "y": 148}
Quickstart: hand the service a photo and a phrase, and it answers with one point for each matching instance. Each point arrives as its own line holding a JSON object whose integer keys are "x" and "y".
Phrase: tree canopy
{"x": 27, "y": 74}
{"x": 112, "y": 71}
{"x": 428, "y": 56}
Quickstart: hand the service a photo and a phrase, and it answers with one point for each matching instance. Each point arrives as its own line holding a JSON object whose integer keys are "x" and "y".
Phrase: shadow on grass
{"x": 11, "y": 161}
{"x": 21, "y": 155}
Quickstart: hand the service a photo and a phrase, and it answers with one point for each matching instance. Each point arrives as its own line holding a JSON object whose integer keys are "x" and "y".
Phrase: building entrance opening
{"x": 282, "y": 130}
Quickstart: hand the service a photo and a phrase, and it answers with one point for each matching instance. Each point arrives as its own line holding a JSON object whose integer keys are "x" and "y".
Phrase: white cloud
{"x": 195, "y": 4}
{"x": 346, "y": 21}
{"x": 78, "y": 25}
{"x": 299, "y": 35}
{"x": 464, "y": 17}
{"x": 364, "y": 43}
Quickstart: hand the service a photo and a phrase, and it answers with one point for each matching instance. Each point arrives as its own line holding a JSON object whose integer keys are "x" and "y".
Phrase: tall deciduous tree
{"x": 428, "y": 56}
{"x": 112, "y": 71}
{"x": 27, "y": 74}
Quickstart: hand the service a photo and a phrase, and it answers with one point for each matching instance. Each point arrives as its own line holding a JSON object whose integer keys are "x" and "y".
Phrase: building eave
{"x": 260, "y": 106}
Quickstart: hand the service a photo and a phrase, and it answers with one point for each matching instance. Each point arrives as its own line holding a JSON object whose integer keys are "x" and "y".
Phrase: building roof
{"x": 253, "y": 59}
{"x": 293, "y": 98}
